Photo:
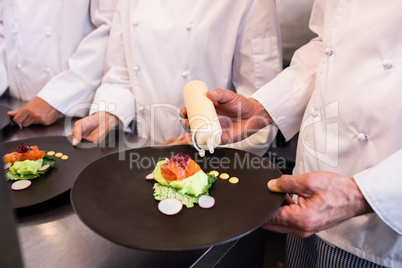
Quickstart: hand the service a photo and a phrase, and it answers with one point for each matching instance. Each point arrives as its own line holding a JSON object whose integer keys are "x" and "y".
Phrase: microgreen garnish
{"x": 180, "y": 159}
{"x": 23, "y": 148}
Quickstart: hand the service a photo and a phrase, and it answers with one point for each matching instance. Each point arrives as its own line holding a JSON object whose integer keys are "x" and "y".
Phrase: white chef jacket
{"x": 294, "y": 16}
{"x": 54, "y": 50}
{"x": 343, "y": 92}
{"x": 227, "y": 44}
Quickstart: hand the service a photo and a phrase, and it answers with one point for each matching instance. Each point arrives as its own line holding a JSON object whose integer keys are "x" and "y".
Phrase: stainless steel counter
{"x": 51, "y": 234}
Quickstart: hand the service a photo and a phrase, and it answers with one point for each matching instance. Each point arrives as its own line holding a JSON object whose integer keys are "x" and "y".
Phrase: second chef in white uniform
{"x": 156, "y": 48}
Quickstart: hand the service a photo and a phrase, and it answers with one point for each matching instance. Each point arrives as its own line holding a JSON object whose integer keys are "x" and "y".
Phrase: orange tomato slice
{"x": 33, "y": 154}
{"x": 172, "y": 170}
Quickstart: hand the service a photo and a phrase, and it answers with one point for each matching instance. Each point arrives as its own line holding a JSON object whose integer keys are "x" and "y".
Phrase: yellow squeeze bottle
{"x": 204, "y": 123}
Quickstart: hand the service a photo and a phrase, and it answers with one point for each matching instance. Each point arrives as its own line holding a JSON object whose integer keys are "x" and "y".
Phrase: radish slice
{"x": 170, "y": 206}
{"x": 150, "y": 176}
{"x": 7, "y": 166}
{"x": 44, "y": 168}
{"x": 21, "y": 185}
{"x": 206, "y": 201}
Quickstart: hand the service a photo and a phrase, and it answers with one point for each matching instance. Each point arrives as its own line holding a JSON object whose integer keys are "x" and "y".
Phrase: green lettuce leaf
{"x": 47, "y": 159}
{"x": 162, "y": 192}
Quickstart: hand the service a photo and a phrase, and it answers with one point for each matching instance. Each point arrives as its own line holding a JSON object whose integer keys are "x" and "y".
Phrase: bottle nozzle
{"x": 211, "y": 147}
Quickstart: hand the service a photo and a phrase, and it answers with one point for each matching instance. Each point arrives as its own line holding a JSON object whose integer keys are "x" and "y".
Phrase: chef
{"x": 156, "y": 48}
{"x": 342, "y": 93}
{"x": 52, "y": 55}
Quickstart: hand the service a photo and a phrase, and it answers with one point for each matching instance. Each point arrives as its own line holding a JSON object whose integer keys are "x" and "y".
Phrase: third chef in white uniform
{"x": 342, "y": 93}
{"x": 156, "y": 47}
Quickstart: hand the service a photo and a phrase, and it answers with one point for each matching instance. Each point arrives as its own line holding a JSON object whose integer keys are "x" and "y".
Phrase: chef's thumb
{"x": 221, "y": 95}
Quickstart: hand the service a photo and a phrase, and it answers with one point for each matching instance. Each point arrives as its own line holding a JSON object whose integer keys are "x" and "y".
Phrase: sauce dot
{"x": 50, "y": 153}
{"x": 224, "y": 176}
{"x": 58, "y": 155}
{"x": 234, "y": 180}
{"x": 214, "y": 172}
{"x": 64, "y": 157}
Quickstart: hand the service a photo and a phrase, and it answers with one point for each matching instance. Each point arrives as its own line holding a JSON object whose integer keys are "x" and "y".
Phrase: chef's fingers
{"x": 82, "y": 128}
{"x": 96, "y": 136}
{"x": 29, "y": 120}
{"x": 87, "y": 126}
{"x": 19, "y": 115}
{"x": 186, "y": 125}
{"x": 288, "y": 200}
{"x": 183, "y": 113}
{"x": 76, "y": 132}
{"x": 12, "y": 113}
{"x": 221, "y": 95}
{"x": 183, "y": 139}
{"x": 289, "y": 219}
{"x": 303, "y": 185}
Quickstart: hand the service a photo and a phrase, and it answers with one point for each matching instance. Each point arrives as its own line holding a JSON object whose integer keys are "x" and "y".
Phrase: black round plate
{"x": 112, "y": 197}
{"x": 57, "y": 180}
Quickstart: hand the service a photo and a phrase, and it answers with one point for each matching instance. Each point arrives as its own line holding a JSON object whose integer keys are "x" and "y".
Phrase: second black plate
{"x": 57, "y": 180}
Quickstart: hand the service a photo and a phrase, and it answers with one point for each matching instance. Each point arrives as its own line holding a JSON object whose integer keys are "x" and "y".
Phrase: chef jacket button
{"x": 19, "y": 65}
{"x": 48, "y": 34}
{"x": 314, "y": 114}
{"x": 135, "y": 23}
{"x": 189, "y": 27}
{"x": 329, "y": 51}
{"x": 14, "y": 31}
{"x": 141, "y": 108}
{"x": 47, "y": 69}
{"x": 184, "y": 74}
{"x": 136, "y": 68}
{"x": 361, "y": 137}
{"x": 387, "y": 65}
{"x": 112, "y": 107}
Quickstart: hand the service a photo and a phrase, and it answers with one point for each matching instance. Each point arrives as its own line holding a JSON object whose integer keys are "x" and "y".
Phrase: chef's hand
{"x": 325, "y": 199}
{"x": 36, "y": 111}
{"x": 182, "y": 139}
{"x": 93, "y": 128}
{"x": 239, "y": 117}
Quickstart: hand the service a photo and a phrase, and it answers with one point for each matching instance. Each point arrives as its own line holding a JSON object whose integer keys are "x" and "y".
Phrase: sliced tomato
{"x": 172, "y": 170}
{"x": 33, "y": 154}
{"x": 12, "y": 157}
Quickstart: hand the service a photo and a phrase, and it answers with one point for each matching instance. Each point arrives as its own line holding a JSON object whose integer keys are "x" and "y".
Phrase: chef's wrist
{"x": 262, "y": 116}
{"x": 361, "y": 206}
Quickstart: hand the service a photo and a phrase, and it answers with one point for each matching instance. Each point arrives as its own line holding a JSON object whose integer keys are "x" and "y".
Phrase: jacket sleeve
{"x": 285, "y": 98}
{"x": 381, "y": 186}
{"x": 86, "y": 66}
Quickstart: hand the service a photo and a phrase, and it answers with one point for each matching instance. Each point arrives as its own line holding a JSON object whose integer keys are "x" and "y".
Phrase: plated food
{"x": 27, "y": 163}
{"x": 54, "y": 181}
{"x": 180, "y": 178}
